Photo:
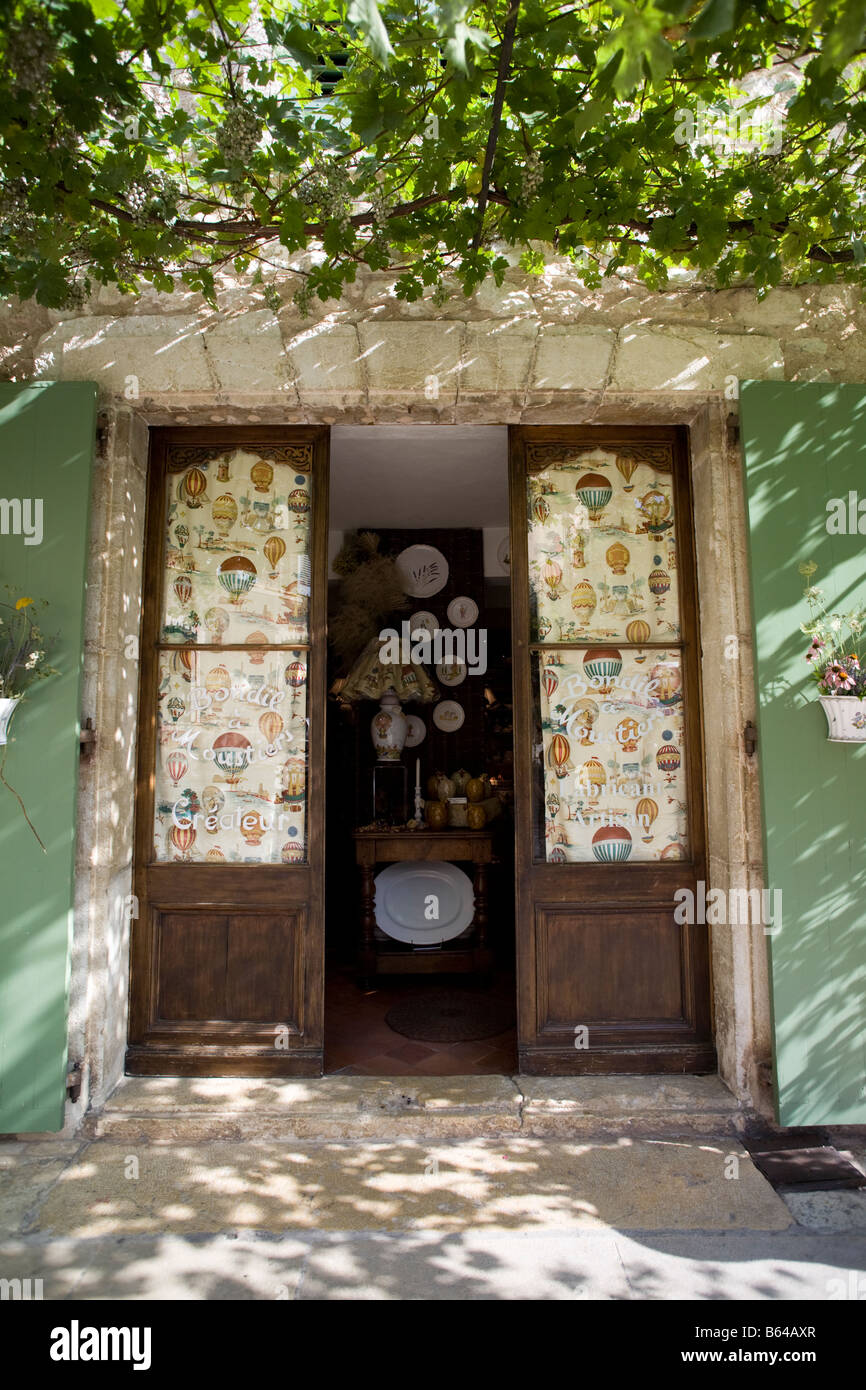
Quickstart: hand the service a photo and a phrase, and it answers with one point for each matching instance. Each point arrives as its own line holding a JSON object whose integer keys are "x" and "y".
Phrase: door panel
{"x": 609, "y": 776}
{"x": 228, "y": 947}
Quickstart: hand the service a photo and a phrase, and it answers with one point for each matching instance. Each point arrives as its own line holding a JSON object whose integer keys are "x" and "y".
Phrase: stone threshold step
{"x": 173, "y": 1109}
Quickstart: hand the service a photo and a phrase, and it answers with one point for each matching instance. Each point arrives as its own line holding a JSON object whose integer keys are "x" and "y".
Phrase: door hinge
{"x": 750, "y": 739}
{"x": 73, "y": 1082}
{"x": 87, "y": 738}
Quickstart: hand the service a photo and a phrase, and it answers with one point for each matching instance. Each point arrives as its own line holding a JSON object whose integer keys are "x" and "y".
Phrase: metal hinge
{"x": 750, "y": 739}
{"x": 73, "y": 1082}
{"x": 87, "y": 738}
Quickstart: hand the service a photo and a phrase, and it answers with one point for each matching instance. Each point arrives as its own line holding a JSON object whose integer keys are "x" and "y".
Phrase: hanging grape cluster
{"x": 238, "y": 136}
{"x": 533, "y": 176}
{"x": 327, "y": 189}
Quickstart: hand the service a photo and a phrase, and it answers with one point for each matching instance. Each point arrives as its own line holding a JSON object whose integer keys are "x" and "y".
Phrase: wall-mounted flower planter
{"x": 7, "y": 709}
{"x": 846, "y": 718}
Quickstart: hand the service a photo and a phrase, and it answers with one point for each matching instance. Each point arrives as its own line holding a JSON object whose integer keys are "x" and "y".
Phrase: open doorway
{"x": 420, "y": 974}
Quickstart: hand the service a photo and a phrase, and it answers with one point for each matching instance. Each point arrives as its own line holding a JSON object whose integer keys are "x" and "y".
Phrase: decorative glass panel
{"x": 602, "y": 549}
{"x": 231, "y": 769}
{"x": 613, "y": 755}
{"x": 610, "y": 784}
{"x": 237, "y": 549}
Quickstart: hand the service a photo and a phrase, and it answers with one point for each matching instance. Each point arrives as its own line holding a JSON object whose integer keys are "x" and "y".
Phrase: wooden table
{"x": 374, "y": 847}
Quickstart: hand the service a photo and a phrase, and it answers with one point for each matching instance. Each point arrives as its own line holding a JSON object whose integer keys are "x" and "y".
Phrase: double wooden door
{"x": 228, "y": 944}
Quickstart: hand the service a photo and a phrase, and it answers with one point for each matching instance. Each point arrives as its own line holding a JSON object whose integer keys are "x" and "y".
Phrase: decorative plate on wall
{"x": 462, "y": 611}
{"x": 451, "y": 673}
{"x": 403, "y": 894}
{"x": 423, "y": 621}
{"x": 416, "y": 731}
{"x": 423, "y": 570}
{"x": 448, "y": 716}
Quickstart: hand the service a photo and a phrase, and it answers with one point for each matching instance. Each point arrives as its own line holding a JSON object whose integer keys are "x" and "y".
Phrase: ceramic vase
{"x": 388, "y": 729}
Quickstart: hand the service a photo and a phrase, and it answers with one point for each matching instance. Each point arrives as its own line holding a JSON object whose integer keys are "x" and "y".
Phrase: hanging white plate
{"x": 408, "y": 894}
{"x": 503, "y": 552}
{"x": 416, "y": 731}
{"x": 423, "y": 621}
{"x": 423, "y": 570}
{"x": 451, "y": 673}
{"x": 448, "y": 716}
{"x": 462, "y": 611}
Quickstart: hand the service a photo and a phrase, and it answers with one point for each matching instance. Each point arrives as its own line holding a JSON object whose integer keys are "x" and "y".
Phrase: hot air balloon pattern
{"x": 550, "y": 681}
{"x": 553, "y": 804}
{"x": 647, "y": 811}
{"x": 552, "y": 576}
{"x": 252, "y": 828}
{"x": 261, "y": 476}
{"x": 299, "y": 501}
{"x": 583, "y": 717}
{"x": 541, "y": 509}
{"x": 659, "y": 582}
{"x": 183, "y": 839}
{"x": 559, "y": 755}
{"x": 668, "y": 679}
{"x": 217, "y": 680}
{"x": 175, "y": 708}
{"x": 668, "y": 757}
{"x": 292, "y": 852}
{"x": 638, "y": 632}
{"x": 271, "y": 725}
{"x": 594, "y": 491}
{"x": 655, "y": 508}
{"x": 675, "y": 851}
{"x": 231, "y": 754}
{"x": 257, "y": 641}
{"x": 296, "y": 674}
{"x": 627, "y": 734}
{"x": 193, "y": 488}
{"x": 626, "y": 466}
{"x": 545, "y": 627}
{"x": 180, "y": 663}
{"x": 237, "y": 575}
{"x": 274, "y": 549}
{"x": 183, "y": 589}
{"x": 177, "y": 766}
{"x": 584, "y": 601}
{"x": 215, "y": 855}
{"x": 181, "y": 535}
{"x": 592, "y": 777}
{"x": 225, "y": 513}
{"x": 602, "y": 665}
{"x": 557, "y": 855}
{"x": 612, "y": 844}
{"x": 617, "y": 556}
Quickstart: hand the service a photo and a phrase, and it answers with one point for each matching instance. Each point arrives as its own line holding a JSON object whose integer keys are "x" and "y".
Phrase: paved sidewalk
{"x": 511, "y": 1217}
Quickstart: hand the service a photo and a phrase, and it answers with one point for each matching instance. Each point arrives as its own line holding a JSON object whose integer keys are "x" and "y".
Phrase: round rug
{"x": 451, "y": 1015}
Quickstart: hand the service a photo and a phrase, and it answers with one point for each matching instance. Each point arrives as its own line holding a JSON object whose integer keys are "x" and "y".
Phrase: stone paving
{"x": 128, "y": 1212}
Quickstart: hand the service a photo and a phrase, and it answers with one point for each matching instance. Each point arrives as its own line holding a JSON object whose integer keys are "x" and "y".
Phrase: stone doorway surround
{"x": 534, "y": 352}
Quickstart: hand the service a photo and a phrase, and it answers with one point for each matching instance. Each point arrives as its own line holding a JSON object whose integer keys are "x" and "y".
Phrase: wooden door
{"x": 608, "y": 754}
{"x": 228, "y": 944}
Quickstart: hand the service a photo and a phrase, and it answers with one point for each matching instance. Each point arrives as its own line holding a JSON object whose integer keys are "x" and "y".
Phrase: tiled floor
{"x": 358, "y": 1041}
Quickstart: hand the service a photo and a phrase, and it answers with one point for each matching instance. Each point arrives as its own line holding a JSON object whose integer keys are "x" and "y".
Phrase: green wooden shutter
{"x": 805, "y": 445}
{"x": 47, "y": 434}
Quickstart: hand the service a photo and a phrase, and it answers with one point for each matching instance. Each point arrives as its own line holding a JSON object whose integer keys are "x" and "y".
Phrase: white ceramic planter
{"x": 7, "y": 709}
{"x": 846, "y": 718}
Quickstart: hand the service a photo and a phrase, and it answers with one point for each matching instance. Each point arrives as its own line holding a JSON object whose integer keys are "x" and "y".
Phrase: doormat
{"x": 818, "y": 1169}
{"x": 451, "y": 1015}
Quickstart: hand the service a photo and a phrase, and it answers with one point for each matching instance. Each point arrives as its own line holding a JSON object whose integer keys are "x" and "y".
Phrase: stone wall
{"x": 538, "y": 350}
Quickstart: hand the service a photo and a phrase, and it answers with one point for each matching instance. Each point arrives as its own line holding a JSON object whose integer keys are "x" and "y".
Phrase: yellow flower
{"x": 23, "y": 602}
